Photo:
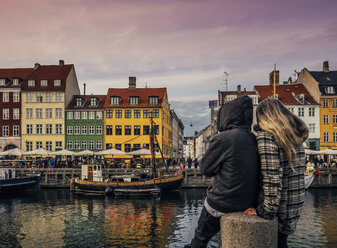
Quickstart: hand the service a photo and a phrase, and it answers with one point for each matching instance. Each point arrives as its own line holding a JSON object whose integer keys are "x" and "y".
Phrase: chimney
{"x": 326, "y": 66}
{"x": 132, "y": 82}
{"x": 36, "y": 66}
{"x": 84, "y": 86}
{"x": 239, "y": 88}
{"x": 61, "y": 62}
{"x": 277, "y": 78}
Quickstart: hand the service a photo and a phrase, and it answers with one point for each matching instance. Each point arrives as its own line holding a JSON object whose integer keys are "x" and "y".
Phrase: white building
{"x": 188, "y": 147}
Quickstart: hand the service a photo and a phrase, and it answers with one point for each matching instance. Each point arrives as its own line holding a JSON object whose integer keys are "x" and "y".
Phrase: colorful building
{"x": 10, "y": 106}
{"x": 323, "y": 87}
{"x": 127, "y": 118}
{"x": 45, "y": 94}
{"x": 177, "y": 136}
{"x": 84, "y": 123}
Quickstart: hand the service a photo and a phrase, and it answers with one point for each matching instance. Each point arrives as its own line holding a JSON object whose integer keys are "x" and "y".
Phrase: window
{"x": 38, "y": 128}
{"x": 49, "y": 113}
{"x": 118, "y": 147}
{"x": 334, "y": 137}
{"x": 146, "y": 130}
{"x": 16, "y": 97}
{"x": 5, "y": 114}
{"x": 108, "y": 146}
{"x": 93, "y": 102}
{"x": 136, "y": 130}
{"x": 39, "y": 113}
{"x": 99, "y": 145}
{"x": 5, "y": 97}
{"x": 146, "y": 114}
{"x": 118, "y": 130}
{"x": 127, "y": 114}
{"x": 155, "y": 113}
{"x": 16, "y": 130}
{"x": 84, "y": 130}
{"x": 29, "y": 97}
{"x": 114, "y": 100}
{"x": 91, "y": 115}
{"x": 77, "y": 145}
{"x": 137, "y": 113}
{"x": 49, "y": 129}
{"x": 98, "y": 115}
{"x": 5, "y": 131}
{"x": 69, "y": 145}
{"x": 146, "y": 146}
{"x": 312, "y": 112}
{"x": 291, "y": 110}
{"x": 49, "y": 146}
{"x": 58, "y": 113}
{"x": 99, "y": 130}
{"x": 329, "y": 90}
{"x": 91, "y": 145}
{"x": 334, "y": 119}
{"x": 58, "y": 128}
{"x": 58, "y": 145}
{"x": 31, "y": 83}
{"x": 156, "y": 130}
{"x": 325, "y": 103}
{"x": 57, "y": 82}
{"x": 91, "y": 130}
{"x": 29, "y": 113}
{"x": 84, "y": 145}
{"x": 29, "y": 146}
{"x": 2, "y": 82}
{"x": 127, "y": 130}
{"x": 136, "y": 147}
{"x": 84, "y": 115}
{"x": 44, "y": 83}
{"x": 59, "y": 97}
{"x": 153, "y": 100}
{"x": 312, "y": 128}
{"x": 109, "y": 114}
{"x": 70, "y": 130}
{"x": 133, "y": 100}
{"x": 326, "y": 137}
{"x": 70, "y": 115}
{"x": 39, "y": 97}
{"x": 16, "y": 114}
{"x": 77, "y": 115}
{"x": 38, "y": 144}
{"x": 119, "y": 114}
{"x": 76, "y": 130}
{"x": 326, "y": 119}
{"x": 49, "y": 97}
{"x": 127, "y": 147}
{"x": 78, "y": 102}
{"x": 29, "y": 129}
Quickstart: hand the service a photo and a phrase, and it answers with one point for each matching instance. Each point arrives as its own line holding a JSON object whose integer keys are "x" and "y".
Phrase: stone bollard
{"x": 239, "y": 230}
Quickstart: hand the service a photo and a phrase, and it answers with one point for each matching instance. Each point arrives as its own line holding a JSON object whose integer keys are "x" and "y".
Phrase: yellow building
{"x": 127, "y": 118}
{"x": 45, "y": 94}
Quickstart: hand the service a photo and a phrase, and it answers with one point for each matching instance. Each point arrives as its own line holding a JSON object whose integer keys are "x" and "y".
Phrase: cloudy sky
{"x": 183, "y": 45}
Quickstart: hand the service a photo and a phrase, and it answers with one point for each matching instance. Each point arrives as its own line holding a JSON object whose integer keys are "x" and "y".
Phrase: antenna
{"x": 226, "y": 80}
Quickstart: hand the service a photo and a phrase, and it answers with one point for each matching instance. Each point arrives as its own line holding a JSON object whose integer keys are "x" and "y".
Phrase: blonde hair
{"x": 288, "y": 130}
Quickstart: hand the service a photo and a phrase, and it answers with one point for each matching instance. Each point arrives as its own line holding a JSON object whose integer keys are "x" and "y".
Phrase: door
{"x": 90, "y": 173}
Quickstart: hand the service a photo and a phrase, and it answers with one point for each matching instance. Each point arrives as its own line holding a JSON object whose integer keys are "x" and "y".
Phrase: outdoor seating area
{"x": 322, "y": 159}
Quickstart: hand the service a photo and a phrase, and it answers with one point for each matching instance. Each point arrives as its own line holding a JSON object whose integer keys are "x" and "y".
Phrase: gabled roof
{"x": 86, "y": 100}
{"x": 50, "y": 73}
{"x": 12, "y": 73}
{"x": 325, "y": 78}
{"x": 288, "y": 94}
{"x": 142, "y": 93}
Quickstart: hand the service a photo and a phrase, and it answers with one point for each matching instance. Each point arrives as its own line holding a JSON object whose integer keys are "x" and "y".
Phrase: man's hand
{"x": 250, "y": 211}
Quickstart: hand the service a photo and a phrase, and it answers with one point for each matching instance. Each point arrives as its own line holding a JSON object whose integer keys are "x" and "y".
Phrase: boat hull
{"x": 19, "y": 185}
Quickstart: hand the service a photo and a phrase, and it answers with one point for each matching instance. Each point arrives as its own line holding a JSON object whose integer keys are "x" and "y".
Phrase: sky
{"x": 185, "y": 46}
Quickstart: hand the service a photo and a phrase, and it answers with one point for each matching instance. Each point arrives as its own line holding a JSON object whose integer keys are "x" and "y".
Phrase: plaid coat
{"x": 282, "y": 189}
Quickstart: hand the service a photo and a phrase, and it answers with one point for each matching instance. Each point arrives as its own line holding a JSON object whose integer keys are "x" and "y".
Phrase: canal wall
{"x": 60, "y": 177}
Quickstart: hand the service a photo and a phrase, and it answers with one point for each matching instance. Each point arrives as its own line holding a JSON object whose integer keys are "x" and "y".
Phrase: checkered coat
{"x": 282, "y": 189}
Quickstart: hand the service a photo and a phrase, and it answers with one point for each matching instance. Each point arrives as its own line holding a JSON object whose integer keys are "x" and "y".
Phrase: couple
{"x": 262, "y": 175}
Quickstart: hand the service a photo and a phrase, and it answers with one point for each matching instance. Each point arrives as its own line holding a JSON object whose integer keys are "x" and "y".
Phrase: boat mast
{"x": 152, "y": 147}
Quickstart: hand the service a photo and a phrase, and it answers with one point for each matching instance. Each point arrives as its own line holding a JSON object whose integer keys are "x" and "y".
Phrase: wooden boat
{"x": 308, "y": 179}
{"x": 9, "y": 184}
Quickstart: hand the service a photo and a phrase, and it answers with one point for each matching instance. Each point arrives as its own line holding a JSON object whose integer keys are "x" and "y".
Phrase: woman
{"x": 280, "y": 135}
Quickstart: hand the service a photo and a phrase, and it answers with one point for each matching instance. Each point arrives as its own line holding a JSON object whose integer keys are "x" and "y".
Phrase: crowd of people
{"x": 315, "y": 162}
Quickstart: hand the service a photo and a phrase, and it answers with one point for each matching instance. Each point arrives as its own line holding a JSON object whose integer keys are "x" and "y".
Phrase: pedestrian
{"x": 196, "y": 163}
{"x": 232, "y": 160}
{"x": 280, "y": 135}
{"x": 189, "y": 162}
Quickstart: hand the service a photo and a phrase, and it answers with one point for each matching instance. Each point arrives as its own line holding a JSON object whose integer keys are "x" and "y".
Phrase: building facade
{"x": 127, "y": 118}
{"x": 188, "y": 147}
{"x": 177, "y": 136}
{"x": 45, "y": 94}
{"x": 85, "y": 123}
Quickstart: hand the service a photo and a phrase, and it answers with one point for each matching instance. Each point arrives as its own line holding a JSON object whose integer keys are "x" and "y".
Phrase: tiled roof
{"x": 11, "y": 73}
{"x": 325, "y": 79}
{"x": 238, "y": 94}
{"x": 86, "y": 102}
{"x": 142, "y": 93}
{"x": 50, "y": 73}
{"x": 287, "y": 93}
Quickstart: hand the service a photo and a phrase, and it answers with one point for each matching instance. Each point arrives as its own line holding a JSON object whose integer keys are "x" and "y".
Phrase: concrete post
{"x": 239, "y": 230}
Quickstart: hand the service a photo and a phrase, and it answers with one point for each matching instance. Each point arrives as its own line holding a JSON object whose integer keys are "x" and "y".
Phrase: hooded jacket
{"x": 232, "y": 159}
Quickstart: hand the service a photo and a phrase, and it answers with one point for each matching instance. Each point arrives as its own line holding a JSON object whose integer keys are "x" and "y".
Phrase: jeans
{"x": 282, "y": 240}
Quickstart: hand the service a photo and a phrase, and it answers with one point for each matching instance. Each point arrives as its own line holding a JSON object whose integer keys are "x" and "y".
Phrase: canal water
{"x": 58, "y": 218}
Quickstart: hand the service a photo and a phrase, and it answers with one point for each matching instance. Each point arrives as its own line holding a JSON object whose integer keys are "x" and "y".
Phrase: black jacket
{"x": 232, "y": 159}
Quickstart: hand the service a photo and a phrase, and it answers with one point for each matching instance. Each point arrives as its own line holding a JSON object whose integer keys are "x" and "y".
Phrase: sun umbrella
{"x": 84, "y": 153}
{"x": 12, "y": 152}
{"x": 312, "y": 152}
{"x": 38, "y": 152}
{"x": 64, "y": 153}
{"x": 110, "y": 152}
{"x": 142, "y": 151}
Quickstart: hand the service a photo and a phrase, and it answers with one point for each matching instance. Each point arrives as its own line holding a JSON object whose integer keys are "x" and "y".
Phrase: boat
{"x": 10, "y": 184}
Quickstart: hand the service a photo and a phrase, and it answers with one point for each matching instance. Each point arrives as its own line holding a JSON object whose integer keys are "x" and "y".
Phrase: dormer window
{"x": 15, "y": 81}
{"x": 78, "y": 102}
{"x": 93, "y": 102}
{"x": 114, "y": 100}
{"x": 2, "y": 82}
{"x": 57, "y": 82}
{"x": 44, "y": 83}
{"x": 31, "y": 83}
{"x": 134, "y": 100}
{"x": 330, "y": 90}
{"x": 153, "y": 100}
{"x": 301, "y": 98}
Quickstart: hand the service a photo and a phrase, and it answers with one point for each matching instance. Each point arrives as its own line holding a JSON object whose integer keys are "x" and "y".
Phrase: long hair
{"x": 288, "y": 130}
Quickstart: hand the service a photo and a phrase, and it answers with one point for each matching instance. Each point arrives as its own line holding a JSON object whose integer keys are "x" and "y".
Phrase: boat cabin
{"x": 7, "y": 173}
{"x": 92, "y": 172}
